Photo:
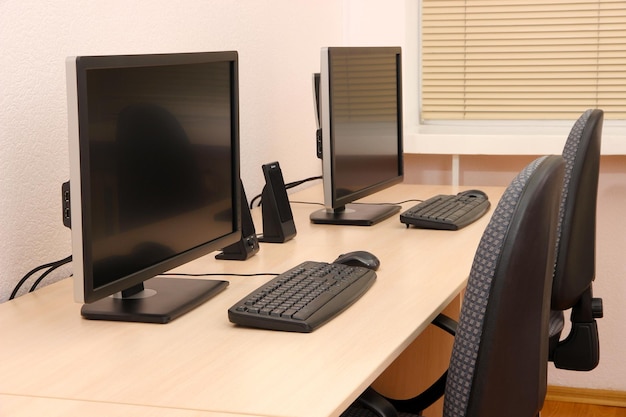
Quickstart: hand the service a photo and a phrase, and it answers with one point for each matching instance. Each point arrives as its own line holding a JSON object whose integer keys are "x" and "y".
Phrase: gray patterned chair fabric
{"x": 500, "y": 353}
{"x": 574, "y": 269}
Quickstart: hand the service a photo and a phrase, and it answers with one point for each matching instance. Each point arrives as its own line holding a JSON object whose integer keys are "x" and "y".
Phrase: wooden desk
{"x": 23, "y": 406}
{"x": 202, "y": 362}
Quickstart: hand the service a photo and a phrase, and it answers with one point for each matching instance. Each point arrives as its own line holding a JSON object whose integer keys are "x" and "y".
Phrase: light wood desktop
{"x": 201, "y": 362}
{"x": 29, "y": 406}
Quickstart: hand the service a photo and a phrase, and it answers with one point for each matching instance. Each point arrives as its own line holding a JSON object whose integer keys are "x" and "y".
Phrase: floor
{"x": 564, "y": 409}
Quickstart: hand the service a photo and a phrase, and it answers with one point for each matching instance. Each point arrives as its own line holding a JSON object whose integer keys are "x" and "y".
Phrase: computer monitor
{"x": 359, "y": 105}
{"x": 154, "y": 178}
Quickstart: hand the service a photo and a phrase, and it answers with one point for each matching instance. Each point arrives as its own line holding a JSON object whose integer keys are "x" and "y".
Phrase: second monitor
{"x": 359, "y": 109}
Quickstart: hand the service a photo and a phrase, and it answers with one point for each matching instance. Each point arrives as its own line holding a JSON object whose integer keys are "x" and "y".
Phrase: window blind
{"x": 522, "y": 59}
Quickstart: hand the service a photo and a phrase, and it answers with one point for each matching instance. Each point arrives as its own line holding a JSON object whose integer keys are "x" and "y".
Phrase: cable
{"x": 412, "y": 200}
{"x": 37, "y": 269}
{"x": 58, "y": 265}
{"x": 259, "y": 274}
{"x": 287, "y": 187}
{"x": 254, "y": 199}
{"x": 313, "y": 203}
{"x": 300, "y": 182}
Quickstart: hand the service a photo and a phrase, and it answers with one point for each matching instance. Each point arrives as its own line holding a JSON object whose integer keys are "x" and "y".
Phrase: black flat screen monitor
{"x": 154, "y": 178}
{"x": 359, "y": 104}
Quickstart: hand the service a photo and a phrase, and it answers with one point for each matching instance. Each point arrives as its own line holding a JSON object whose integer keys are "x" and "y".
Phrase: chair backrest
{"x": 574, "y": 268}
{"x": 499, "y": 358}
{"x": 575, "y": 261}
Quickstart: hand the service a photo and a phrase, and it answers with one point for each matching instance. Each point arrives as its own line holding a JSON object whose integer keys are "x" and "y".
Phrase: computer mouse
{"x": 474, "y": 193}
{"x": 359, "y": 258}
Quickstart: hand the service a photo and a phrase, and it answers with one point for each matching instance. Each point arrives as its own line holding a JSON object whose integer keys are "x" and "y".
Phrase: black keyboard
{"x": 447, "y": 212}
{"x": 303, "y": 298}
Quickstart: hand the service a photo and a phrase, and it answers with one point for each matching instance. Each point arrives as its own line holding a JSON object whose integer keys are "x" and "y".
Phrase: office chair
{"x": 500, "y": 352}
{"x": 574, "y": 269}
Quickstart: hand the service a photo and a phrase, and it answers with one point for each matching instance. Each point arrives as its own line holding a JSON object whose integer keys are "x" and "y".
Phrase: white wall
{"x": 610, "y": 283}
{"x": 278, "y": 43}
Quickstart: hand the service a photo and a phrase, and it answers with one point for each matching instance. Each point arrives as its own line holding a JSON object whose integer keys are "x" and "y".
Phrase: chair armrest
{"x": 580, "y": 350}
{"x": 446, "y": 323}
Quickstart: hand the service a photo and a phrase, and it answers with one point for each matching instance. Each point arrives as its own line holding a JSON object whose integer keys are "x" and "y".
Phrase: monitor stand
{"x": 355, "y": 214}
{"x": 163, "y": 300}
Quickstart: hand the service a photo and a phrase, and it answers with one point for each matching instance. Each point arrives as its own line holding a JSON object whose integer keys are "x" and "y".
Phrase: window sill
{"x": 498, "y": 140}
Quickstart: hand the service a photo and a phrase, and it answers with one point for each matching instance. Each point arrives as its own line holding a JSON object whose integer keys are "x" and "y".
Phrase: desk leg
{"x": 421, "y": 363}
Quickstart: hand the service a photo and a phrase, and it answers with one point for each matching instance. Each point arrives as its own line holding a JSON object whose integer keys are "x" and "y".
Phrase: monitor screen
{"x": 154, "y": 177}
{"x": 359, "y": 100}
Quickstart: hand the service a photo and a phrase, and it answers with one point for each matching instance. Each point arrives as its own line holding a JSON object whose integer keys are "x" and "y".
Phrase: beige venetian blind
{"x": 523, "y": 59}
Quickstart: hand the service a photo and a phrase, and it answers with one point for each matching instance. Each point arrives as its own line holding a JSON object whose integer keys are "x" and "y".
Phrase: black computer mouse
{"x": 474, "y": 193}
{"x": 359, "y": 258}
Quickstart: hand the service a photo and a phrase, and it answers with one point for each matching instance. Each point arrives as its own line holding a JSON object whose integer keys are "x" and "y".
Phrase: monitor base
{"x": 355, "y": 214}
{"x": 163, "y": 300}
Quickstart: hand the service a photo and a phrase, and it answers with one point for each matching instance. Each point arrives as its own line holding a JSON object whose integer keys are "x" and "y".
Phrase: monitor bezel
{"x": 76, "y": 70}
{"x": 331, "y": 202}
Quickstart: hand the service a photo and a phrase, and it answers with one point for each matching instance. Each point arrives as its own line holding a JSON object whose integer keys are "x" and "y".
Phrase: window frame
{"x": 487, "y": 137}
